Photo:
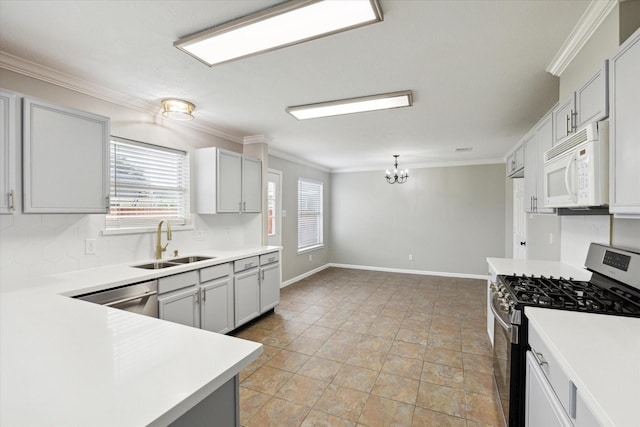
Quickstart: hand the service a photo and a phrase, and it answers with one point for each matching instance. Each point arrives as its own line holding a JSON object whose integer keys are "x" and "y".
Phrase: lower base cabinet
{"x": 221, "y": 408}
{"x": 180, "y": 307}
{"x": 247, "y": 296}
{"x": 216, "y": 306}
{"x": 269, "y": 287}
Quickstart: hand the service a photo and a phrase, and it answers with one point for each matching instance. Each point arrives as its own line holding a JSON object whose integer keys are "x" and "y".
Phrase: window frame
{"x": 319, "y": 243}
{"x": 120, "y": 226}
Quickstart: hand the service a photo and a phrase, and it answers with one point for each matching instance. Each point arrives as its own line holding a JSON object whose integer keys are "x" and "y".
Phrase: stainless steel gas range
{"x": 614, "y": 289}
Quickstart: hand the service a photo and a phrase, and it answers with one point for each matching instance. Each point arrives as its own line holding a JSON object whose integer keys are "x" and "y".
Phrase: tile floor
{"x": 362, "y": 348}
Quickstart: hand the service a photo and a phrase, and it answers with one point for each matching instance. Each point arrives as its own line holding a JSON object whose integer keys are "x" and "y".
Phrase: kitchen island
{"x": 68, "y": 362}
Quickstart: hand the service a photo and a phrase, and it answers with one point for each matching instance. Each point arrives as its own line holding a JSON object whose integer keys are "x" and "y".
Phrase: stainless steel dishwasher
{"x": 139, "y": 298}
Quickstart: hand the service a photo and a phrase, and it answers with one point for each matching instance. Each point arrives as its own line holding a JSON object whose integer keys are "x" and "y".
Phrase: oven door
{"x": 501, "y": 355}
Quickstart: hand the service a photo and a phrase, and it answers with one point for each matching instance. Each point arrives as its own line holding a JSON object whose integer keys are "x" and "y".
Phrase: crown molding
{"x": 425, "y": 165}
{"x": 40, "y": 72}
{"x": 291, "y": 158}
{"x": 589, "y": 22}
{"x": 256, "y": 139}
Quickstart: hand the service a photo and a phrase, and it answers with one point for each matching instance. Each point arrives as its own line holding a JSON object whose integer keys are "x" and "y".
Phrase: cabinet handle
{"x": 573, "y": 124}
{"x": 249, "y": 265}
{"x": 204, "y": 295}
{"x": 573, "y": 400}
{"x": 540, "y": 359}
{"x": 535, "y": 203}
{"x": 11, "y": 201}
{"x": 244, "y": 206}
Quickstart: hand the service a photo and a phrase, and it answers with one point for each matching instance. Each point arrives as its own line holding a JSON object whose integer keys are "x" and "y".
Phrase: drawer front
{"x": 215, "y": 272}
{"x": 245, "y": 263}
{"x": 178, "y": 281}
{"x": 558, "y": 379}
{"x": 269, "y": 258}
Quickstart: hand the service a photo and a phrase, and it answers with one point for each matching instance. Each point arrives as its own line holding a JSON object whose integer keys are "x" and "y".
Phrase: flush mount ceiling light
{"x": 352, "y": 105}
{"x": 177, "y": 109}
{"x": 284, "y": 25}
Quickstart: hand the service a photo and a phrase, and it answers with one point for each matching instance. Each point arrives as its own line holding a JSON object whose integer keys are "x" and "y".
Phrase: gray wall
{"x": 294, "y": 264}
{"x": 450, "y": 219}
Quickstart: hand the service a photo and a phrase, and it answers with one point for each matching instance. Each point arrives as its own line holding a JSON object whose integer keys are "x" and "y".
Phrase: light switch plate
{"x": 90, "y": 246}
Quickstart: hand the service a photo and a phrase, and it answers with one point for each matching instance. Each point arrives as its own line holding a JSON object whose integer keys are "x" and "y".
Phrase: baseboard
{"x": 385, "y": 269}
{"x": 406, "y": 271}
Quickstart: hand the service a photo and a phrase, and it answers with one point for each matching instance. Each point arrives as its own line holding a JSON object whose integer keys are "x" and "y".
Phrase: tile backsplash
{"x": 32, "y": 246}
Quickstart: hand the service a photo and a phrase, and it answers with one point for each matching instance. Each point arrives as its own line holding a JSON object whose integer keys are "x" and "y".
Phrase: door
{"x": 247, "y": 296}
{"x": 519, "y": 220}
{"x": 229, "y": 181}
{"x": 564, "y": 119}
{"x": 216, "y": 308}
{"x": 251, "y": 185}
{"x": 274, "y": 208}
{"x": 8, "y": 144}
{"x": 530, "y": 171}
{"x": 180, "y": 307}
{"x": 269, "y": 287}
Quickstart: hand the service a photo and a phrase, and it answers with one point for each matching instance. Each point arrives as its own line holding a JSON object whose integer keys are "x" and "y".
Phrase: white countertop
{"x": 536, "y": 267}
{"x": 69, "y": 362}
{"x": 601, "y": 355}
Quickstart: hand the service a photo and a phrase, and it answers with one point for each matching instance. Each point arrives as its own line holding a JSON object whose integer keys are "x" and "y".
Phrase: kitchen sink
{"x": 189, "y": 259}
{"x": 172, "y": 262}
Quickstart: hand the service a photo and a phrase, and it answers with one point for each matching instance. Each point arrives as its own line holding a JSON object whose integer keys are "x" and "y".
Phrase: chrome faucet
{"x": 159, "y": 247}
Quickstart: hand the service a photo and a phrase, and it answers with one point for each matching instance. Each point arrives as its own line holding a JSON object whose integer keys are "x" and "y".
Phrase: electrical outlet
{"x": 90, "y": 246}
{"x": 310, "y": 257}
{"x": 201, "y": 235}
{"x": 410, "y": 257}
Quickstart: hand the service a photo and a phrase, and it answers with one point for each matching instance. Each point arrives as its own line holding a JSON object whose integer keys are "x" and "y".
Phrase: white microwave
{"x": 576, "y": 170}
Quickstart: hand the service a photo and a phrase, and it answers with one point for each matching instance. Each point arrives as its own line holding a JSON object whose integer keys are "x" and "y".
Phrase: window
{"x": 309, "y": 214}
{"x": 271, "y": 209}
{"x": 148, "y": 183}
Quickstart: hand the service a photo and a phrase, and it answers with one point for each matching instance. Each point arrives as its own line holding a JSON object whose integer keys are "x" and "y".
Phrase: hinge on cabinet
{"x": 11, "y": 201}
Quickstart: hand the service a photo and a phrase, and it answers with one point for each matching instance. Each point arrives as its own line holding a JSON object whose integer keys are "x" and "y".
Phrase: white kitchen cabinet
{"x": 535, "y": 144}
{"x": 515, "y": 162}
{"x": 180, "y": 307}
{"x": 178, "y": 298}
{"x": 227, "y": 182}
{"x": 9, "y": 124}
{"x": 589, "y": 103}
{"x": 269, "y": 281}
{"x": 624, "y": 134}
{"x": 65, "y": 159}
{"x": 542, "y": 408}
{"x": 216, "y": 305}
{"x": 246, "y": 289}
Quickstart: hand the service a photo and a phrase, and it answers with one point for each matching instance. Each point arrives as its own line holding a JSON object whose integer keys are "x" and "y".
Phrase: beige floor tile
{"x": 406, "y": 349}
{"x": 305, "y": 345}
{"x": 317, "y": 309}
{"x": 372, "y": 343}
{"x": 367, "y": 359}
{"x": 250, "y": 402}
{"x": 322, "y": 369}
{"x": 318, "y": 332}
{"x": 302, "y": 390}
{"x": 444, "y": 356}
{"x": 277, "y": 413}
{"x": 288, "y": 360}
{"x": 396, "y": 388}
{"x": 402, "y": 366}
{"x": 381, "y": 412}
{"x": 355, "y": 326}
{"x": 411, "y": 336}
{"x": 478, "y": 382}
{"x": 356, "y": 377}
{"x": 426, "y": 418}
{"x": 279, "y": 339}
{"x": 320, "y": 419}
{"x": 483, "y": 408}
{"x": 444, "y": 341}
{"x": 335, "y": 351}
{"x": 267, "y": 380}
{"x": 345, "y": 337}
{"x": 481, "y": 348}
{"x": 442, "y": 399}
{"x": 449, "y": 376}
{"x": 342, "y": 402}
{"x": 477, "y": 363}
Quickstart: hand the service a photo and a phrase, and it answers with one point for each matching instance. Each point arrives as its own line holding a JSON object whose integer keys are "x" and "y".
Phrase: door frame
{"x": 275, "y": 240}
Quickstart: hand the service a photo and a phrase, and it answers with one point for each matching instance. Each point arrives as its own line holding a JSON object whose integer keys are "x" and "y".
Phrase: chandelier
{"x": 397, "y": 177}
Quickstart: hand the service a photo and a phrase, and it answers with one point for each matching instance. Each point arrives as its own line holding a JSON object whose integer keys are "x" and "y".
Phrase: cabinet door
{"x": 269, "y": 287}
{"x": 530, "y": 171}
{"x": 624, "y": 140}
{"x": 247, "y": 296}
{"x": 66, "y": 159}
{"x": 8, "y": 144}
{"x": 180, "y": 307}
{"x": 544, "y": 141}
{"x": 251, "y": 185}
{"x": 592, "y": 99}
{"x": 216, "y": 307}
{"x": 542, "y": 407}
{"x": 229, "y": 181}
{"x": 563, "y": 119}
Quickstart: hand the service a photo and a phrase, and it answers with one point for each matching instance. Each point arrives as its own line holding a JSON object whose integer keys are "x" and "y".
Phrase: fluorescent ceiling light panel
{"x": 284, "y": 25}
{"x": 353, "y": 105}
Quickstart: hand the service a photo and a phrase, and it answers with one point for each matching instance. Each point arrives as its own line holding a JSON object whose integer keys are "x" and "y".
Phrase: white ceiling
{"x": 476, "y": 69}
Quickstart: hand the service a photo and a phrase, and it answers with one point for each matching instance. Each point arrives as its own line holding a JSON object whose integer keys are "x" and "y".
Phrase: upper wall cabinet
{"x": 587, "y": 104}
{"x": 8, "y": 144}
{"x": 535, "y": 144}
{"x": 65, "y": 159}
{"x": 515, "y": 162}
{"x": 227, "y": 182}
{"x": 624, "y": 130}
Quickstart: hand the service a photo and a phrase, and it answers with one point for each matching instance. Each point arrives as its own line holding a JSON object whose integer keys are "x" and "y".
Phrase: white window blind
{"x": 309, "y": 214}
{"x": 148, "y": 183}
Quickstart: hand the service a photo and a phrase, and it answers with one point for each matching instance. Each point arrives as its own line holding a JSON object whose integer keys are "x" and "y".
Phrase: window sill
{"x": 144, "y": 230}
{"x": 310, "y": 249}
